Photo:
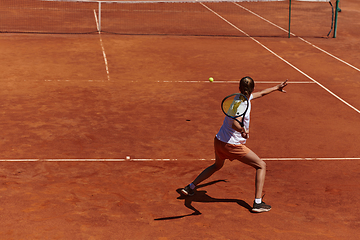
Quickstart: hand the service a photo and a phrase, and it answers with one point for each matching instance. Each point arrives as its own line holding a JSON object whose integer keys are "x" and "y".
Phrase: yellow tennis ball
{"x": 211, "y": 79}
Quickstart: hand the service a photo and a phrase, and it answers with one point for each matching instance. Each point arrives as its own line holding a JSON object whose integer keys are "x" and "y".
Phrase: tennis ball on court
{"x": 211, "y": 79}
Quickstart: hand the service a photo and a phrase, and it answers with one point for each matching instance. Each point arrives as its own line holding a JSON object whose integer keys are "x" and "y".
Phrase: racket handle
{"x": 246, "y": 131}
{"x": 242, "y": 125}
{"x": 244, "y": 134}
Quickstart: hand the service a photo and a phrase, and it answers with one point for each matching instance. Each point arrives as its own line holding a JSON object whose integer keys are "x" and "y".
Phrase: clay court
{"x": 74, "y": 106}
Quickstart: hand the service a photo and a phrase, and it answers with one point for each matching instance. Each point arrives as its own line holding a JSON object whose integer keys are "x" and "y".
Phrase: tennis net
{"x": 193, "y": 18}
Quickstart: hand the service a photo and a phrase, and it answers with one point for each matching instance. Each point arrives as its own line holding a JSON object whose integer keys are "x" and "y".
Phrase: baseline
{"x": 235, "y": 81}
{"x": 170, "y": 159}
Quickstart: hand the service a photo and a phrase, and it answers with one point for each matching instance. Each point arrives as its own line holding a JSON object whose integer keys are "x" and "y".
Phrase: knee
{"x": 218, "y": 166}
{"x": 259, "y": 165}
{"x": 262, "y": 165}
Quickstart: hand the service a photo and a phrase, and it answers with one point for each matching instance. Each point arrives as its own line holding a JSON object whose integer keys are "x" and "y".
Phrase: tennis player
{"x": 229, "y": 143}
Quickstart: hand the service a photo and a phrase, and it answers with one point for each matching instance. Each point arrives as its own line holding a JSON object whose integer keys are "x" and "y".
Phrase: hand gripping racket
{"x": 235, "y": 106}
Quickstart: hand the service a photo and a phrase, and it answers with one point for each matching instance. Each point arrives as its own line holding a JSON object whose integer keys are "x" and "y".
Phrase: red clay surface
{"x": 57, "y": 103}
{"x": 137, "y": 200}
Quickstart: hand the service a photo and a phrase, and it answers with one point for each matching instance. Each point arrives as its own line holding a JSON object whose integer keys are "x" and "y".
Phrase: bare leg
{"x": 253, "y": 160}
{"x": 209, "y": 171}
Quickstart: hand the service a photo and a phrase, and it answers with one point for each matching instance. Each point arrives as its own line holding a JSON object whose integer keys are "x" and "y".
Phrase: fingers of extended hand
{"x": 282, "y": 85}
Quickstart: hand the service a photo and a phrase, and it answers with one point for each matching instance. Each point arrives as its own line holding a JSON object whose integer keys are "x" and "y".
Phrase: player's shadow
{"x": 201, "y": 196}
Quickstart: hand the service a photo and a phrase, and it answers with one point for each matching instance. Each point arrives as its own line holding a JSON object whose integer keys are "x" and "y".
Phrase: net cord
{"x": 99, "y": 17}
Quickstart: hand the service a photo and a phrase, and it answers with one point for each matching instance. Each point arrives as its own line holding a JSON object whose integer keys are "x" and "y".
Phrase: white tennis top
{"x": 228, "y": 134}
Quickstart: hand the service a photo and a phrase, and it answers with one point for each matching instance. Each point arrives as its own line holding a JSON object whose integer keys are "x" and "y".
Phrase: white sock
{"x": 192, "y": 186}
{"x": 258, "y": 200}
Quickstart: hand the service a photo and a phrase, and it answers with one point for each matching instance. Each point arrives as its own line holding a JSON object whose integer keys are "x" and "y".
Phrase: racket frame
{"x": 241, "y": 115}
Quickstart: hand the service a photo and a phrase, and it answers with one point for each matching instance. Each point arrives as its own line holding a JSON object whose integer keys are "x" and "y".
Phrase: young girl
{"x": 229, "y": 143}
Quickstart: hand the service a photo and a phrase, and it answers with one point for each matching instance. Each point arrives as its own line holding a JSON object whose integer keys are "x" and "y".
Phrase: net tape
{"x": 68, "y": 21}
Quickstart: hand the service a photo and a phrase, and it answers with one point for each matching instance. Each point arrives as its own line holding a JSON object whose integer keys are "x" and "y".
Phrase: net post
{"x": 289, "y": 18}
{"x": 99, "y": 27}
{"x": 336, "y": 17}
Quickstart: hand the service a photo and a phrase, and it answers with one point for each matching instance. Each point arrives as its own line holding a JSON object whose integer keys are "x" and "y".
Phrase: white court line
{"x": 282, "y": 59}
{"x": 310, "y": 159}
{"x": 235, "y": 81}
{"x": 102, "y": 47}
{"x": 169, "y": 159}
{"x": 90, "y": 160}
{"x": 348, "y": 64}
{"x": 311, "y": 44}
{"x": 67, "y": 80}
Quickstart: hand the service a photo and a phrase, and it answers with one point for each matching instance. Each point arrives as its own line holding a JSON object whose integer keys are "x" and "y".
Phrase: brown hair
{"x": 246, "y": 86}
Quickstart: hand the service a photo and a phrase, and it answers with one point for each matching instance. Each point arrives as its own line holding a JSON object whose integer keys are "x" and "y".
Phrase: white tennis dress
{"x": 229, "y": 135}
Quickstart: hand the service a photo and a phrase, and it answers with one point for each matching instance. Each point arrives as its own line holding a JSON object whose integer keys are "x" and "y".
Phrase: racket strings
{"x": 236, "y": 106}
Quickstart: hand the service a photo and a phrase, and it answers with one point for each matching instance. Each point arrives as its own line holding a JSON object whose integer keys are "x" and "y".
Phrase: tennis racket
{"x": 235, "y": 106}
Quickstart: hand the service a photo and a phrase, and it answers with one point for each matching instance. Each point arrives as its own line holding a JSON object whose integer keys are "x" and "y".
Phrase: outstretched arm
{"x": 264, "y": 92}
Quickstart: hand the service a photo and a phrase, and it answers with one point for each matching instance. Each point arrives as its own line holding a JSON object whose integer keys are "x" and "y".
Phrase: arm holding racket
{"x": 264, "y": 92}
{"x": 237, "y": 127}
{"x": 235, "y": 107}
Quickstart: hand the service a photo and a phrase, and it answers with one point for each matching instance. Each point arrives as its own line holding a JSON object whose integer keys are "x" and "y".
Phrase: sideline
{"x": 282, "y": 59}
